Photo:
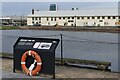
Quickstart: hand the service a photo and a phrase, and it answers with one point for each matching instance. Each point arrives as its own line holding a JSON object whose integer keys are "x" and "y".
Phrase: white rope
{"x": 32, "y": 65}
{"x": 39, "y": 63}
{"x": 29, "y": 52}
{"x": 30, "y": 73}
{"x": 23, "y": 62}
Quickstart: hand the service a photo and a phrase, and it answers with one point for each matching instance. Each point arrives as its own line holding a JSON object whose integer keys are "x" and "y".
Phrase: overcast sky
{"x": 24, "y": 8}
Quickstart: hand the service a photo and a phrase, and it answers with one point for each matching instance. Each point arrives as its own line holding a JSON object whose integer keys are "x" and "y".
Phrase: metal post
{"x": 75, "y": 20}
{"x": 62, "y": 63}
{"x": 21, "y": 20}
{"x": 53, "y": 76}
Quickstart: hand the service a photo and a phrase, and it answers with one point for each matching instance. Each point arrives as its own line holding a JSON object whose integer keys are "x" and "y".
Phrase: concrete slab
{"x": 8, "y": 74}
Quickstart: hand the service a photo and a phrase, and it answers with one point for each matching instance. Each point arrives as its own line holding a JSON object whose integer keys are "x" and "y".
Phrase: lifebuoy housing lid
{"x": 36, "y": 43}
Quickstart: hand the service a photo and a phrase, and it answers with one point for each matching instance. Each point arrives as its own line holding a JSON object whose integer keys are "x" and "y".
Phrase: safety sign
{"x": 42, "y": 45}
{"x": 35, "y": 56}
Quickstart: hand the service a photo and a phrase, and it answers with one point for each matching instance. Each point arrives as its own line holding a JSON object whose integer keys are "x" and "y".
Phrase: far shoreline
{"x": 75, "y": 29}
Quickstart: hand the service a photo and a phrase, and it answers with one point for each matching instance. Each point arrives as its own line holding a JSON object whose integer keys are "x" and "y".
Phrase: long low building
{"x": 105, "y": 17}
{"x": 13, "y": 21}
{"x": 5, "y": 21}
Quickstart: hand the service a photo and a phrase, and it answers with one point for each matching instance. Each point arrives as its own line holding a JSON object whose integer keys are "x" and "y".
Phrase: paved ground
{"x": 70, "y": 72}
{"x": 9, "y": 74}
{"x": 61, "y": 72}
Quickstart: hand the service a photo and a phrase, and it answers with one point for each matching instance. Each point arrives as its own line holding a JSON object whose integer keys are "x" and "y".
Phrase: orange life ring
{"x": 37, "y": 59}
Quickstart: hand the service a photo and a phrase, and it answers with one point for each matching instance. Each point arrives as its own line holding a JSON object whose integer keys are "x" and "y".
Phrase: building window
{"x": 94, "y": 23}
{"x": 98, "y": 17}
{"x": 32, "y": 18}
{"x": 51, "y": 19}
{"x": 68, "y": 17}
{"x": 93, "y": 17}
{"x": 78, "y": 17}
{"x": 119, "y": 17}
{"x": 70, "y": 21}
{"x": 63, "y": 17}
{"x": 88, "y": 17}
{"x": 39, "y": 18}
{"x": 105, "y": 23}
{"x": 82, "y": 17}
{"x": 108, "y": 17}
{"x": 103, "y": 17}
{"x": 59, "y": 17}
{"x": 36, "y": 18}
{"x": 113, "y": 17}
{"x": 53, "y": 7}
{"x": 85, "y": 23}
{"x": 47, "y": 18}
{"x": 100, "y": 20}
{"x": 72, "y": 17}
{"x": 55, "y": 18}
{"x": 33, "y": 22}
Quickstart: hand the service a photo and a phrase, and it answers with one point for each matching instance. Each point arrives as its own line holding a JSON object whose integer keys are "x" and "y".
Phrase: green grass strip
{"x": 9, "y": 27}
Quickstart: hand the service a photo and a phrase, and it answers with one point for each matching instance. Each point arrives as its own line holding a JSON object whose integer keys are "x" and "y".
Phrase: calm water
{"x": 81, "y": 45}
